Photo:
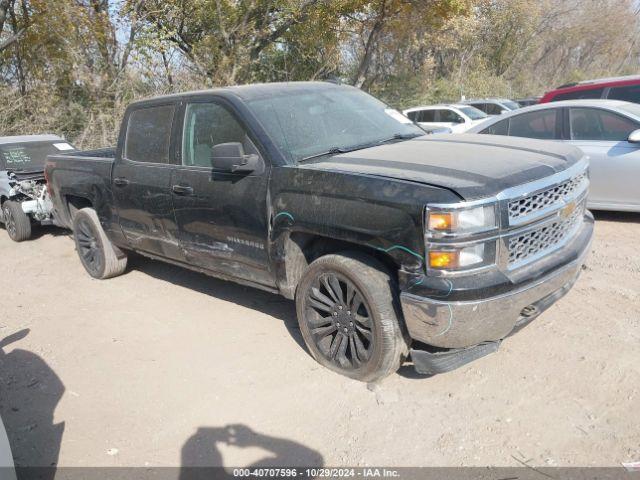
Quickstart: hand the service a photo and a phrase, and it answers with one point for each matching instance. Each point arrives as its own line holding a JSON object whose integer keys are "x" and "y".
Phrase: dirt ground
{"x": 164, "y": 367}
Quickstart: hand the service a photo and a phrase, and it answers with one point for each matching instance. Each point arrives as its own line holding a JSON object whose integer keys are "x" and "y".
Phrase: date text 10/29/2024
{"x": 315, "y": 473}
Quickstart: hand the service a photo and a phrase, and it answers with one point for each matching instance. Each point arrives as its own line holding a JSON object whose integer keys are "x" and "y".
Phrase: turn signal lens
{"x": 442, "y": 260}
{"x": 441, "y": 221}
{"x": 460, "y": 258}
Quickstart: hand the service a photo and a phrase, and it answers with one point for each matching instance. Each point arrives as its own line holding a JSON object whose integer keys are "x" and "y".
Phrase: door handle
{"x": 120, "y": 182}
{"x": 182, "y": 190}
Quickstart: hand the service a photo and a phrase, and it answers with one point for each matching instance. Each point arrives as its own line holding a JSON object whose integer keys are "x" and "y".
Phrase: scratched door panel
{"x": 223, "y": 223}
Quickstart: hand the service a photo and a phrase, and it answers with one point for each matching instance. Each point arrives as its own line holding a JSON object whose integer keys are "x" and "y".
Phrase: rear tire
{"x": 99, "y": 257}
{"x": 348, "y": 313}
{"x": 17, "y": 223}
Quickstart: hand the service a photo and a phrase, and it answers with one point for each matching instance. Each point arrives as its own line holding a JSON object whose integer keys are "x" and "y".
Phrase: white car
{"x": 493, "y": 106}
{"x": 457, "y": 118}
{"x": 608, "y": 131}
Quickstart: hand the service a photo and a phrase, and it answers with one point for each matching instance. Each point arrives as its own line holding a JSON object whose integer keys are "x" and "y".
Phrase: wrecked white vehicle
{"x": 24, "y": 198}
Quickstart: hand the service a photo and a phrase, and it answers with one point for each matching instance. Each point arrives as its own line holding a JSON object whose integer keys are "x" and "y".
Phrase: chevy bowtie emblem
{"x": 568, "y": 210}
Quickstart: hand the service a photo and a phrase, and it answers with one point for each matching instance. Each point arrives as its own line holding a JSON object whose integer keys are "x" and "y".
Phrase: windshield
{"x": 31, "y": 156}
{"x": 473, "y": 113}
{"x": 510, "y": 105}
{"x": 308, "y": 124}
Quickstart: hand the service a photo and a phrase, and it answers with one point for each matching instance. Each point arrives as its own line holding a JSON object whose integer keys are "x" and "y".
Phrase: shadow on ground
{"x": 248, "y": 297}
{"x": 49, "y": 230}
{"x": 38, "y": 232}
{"x": 29, "y": 393}
{"x": 626, "y": 217}
{"x": 201, "y": 453}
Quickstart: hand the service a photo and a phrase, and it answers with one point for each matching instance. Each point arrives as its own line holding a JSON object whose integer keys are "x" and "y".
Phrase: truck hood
{"x": 473, "y": 166}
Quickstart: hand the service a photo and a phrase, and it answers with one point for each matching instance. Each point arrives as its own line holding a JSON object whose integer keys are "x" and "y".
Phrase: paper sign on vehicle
{"x": 63, "y": 146}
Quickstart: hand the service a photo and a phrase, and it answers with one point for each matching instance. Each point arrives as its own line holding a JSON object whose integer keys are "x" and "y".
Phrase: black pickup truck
{"x": 393, "y": 243}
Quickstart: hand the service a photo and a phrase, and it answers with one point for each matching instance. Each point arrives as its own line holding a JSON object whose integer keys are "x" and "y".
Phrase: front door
{"x": 614, "y": 162}
{"x": 221, "y": 216}
{"x": 142, "y": 182}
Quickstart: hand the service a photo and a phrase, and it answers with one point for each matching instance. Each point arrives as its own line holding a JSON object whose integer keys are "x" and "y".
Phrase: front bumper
{"x": 463, "y": 324}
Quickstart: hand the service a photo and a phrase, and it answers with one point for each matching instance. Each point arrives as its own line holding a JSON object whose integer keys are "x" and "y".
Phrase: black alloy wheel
{"x": 89, "y": 247}
{"x": 339, "y": 321}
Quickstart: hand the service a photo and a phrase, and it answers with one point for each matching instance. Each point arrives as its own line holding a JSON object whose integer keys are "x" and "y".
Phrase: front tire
{"x": 17, "y": 223}
{"x": 99, "y": 257}
{"x": 348, "y": 314}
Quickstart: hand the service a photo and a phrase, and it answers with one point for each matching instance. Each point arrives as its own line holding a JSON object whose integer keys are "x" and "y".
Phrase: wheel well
{"x": 75, "y": 203}
{"x": 300, "y": 249}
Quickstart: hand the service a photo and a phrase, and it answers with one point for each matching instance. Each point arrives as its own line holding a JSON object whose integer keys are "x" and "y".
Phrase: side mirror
{"x": 503, "y": 111}
{"x": 230, "y": 157}
{"x": 459, "y": 120}
{"x": 634, "y": 137}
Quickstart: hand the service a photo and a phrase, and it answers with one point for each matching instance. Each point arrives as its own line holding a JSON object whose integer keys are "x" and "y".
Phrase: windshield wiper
{"x": 362, "y": 146}
{"x": 331, "y": 151}
{"x": 400, "y": 136}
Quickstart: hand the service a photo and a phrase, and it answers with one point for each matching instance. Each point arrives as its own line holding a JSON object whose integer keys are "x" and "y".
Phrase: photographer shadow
{"x": 202, "y": 459}
{"x": 29, "y": 393}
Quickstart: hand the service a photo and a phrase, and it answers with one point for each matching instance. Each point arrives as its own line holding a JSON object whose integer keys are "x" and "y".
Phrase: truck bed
{"x": 84, "y": 174}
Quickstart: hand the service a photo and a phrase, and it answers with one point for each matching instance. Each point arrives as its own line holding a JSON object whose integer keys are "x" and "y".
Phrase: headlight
{"x": 460, "y": 238}
{"x": 460, "y": 258}
{"x": 461, "y": 221}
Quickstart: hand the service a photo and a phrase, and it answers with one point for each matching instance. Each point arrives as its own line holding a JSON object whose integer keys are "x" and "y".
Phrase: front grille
{"x": 547, "y": 198}
{"x": 542, "y": 239}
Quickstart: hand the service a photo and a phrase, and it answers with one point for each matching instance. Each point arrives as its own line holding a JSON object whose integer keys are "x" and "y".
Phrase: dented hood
{"x": 473, "y": 166}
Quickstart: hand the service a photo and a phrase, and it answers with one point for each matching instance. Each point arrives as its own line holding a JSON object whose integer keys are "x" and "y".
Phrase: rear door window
{"x": 448, "y": 116}
{"x": 426, "y": 116}
{"x": 541, "y": 124}
{"x": 628, "y": 93}
{"x": 593, "y": 124}
{"x": 413, "y": 116}
{"x": 493, "y": 109}
{"x": 499, "y": 128}
{"x": 579, "y": 95}
{"x": 149, "y": 134}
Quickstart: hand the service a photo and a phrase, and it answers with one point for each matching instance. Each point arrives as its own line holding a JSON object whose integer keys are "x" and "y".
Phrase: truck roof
{"x": 252, "y": 92}
{"x": 29, "y": 139}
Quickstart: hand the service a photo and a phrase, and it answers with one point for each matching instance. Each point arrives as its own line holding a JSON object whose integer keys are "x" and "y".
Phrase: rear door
{"x": 541, "y": 124}
{"x": 614, "y": 162}
{"x": 142, "y": 181}
{"x": 221, "y": 216}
